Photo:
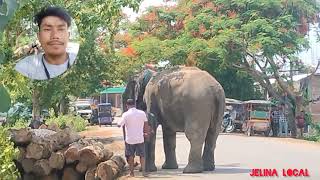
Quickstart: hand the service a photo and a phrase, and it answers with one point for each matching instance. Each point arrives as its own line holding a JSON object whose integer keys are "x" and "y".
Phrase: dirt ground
{"x": 117, "y": 146}
{"x": 113, "y": 133}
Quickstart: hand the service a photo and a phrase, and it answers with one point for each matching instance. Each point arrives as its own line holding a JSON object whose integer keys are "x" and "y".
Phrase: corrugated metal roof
{"x": 113, "y": 90}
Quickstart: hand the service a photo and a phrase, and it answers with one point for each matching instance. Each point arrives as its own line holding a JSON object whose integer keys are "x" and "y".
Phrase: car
{"x": 84, "y": 110}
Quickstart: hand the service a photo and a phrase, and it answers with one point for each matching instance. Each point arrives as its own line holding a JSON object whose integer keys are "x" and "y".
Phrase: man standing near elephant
{"x": 133, "y": 120}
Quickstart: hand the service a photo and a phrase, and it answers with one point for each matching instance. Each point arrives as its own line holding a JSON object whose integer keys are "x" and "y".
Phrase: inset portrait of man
{"x": 50, "y": 58}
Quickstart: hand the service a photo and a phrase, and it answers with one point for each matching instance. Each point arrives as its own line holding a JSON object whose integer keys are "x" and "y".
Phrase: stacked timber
{"x": 45, "y": 154}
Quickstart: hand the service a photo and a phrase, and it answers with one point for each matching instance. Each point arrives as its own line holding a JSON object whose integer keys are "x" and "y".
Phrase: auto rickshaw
{"x": 105, "y": 116}
{"x": 258, "y": 117}
{"x": 238, "y": 106}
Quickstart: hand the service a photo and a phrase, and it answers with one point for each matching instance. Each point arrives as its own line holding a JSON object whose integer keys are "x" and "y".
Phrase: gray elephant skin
{"x": 183, "y": 99}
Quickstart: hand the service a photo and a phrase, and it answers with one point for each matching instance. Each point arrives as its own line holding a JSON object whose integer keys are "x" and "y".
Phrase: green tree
{"x": 255, "y": 38}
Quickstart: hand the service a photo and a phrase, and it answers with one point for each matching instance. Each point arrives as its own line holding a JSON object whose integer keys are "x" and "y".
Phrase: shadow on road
{"x": 220, "y": 169}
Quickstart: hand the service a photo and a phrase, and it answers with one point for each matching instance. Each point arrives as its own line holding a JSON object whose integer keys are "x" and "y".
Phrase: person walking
{"x": 134, "y": 120}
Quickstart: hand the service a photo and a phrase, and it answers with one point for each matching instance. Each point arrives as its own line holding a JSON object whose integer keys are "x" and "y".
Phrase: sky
{"x": 144, "y": 5}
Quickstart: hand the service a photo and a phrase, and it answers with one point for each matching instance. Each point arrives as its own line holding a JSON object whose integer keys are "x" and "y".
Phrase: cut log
{"x": 63, "y": 138}
{"x": 90, "y": 174}
{"x": 54, "y": 127}
{"x": 57, "y": 160}
{"x": 115, "y": 168}
{"x": 54, "y": 140}
{"x": 21, "y": 137}
{"x": 43, "y": 126}
{"x": 72, "y": 153}
{"x": 52, "y": 176}
{"x": 42, "y": 167}
{"x": 70, "y": 173}
{"x": 81, "y": 168}
{"x": 91, "y": 155}
{"x": 120, "y": 161}
{"x": 21, "y": 155}
{"x": 107, "y": 154}
{"x": 27, "y": 165}
{"x": 29, "y": 177}
{"x": 104, "y": 171}
{"x": 38, "y": 151}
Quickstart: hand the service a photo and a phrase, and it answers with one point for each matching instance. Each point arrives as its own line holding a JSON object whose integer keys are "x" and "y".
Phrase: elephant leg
{"x": 196, "y": 138}
{"x": 169, "y": 144}
{"x": 208, "y": 152}
{"x": 150, "y": 158}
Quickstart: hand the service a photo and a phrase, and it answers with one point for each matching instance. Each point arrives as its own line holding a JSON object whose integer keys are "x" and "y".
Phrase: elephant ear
{"x": 140, "y": 86}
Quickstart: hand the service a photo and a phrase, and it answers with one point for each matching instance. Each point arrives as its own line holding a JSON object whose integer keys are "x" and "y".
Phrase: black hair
{"x": 130, "y": 102}
{"x": 52, "y": 11}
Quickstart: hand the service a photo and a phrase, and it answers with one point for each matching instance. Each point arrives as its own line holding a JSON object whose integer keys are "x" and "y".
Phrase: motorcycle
{"x": 228, "y": 124}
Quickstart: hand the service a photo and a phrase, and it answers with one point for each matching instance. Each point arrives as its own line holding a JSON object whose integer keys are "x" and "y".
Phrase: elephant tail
{"x": 217, "y": 109}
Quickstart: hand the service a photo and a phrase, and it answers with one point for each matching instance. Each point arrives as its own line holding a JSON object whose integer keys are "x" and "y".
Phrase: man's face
{"x": 53, "y": 35}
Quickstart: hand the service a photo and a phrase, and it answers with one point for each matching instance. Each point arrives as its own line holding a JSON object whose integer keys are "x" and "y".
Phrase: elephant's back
{"x": 185, "y": 83}
{"x": 185, "y": 76}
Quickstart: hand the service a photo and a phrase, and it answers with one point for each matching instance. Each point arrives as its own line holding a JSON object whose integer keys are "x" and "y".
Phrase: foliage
{"x": 76, "y": 123}
{"x": 5, "y": 99}
{"x": 7, "y": 154}
{"x": 20, "y": 123}
{"x": 18, "y": 112}
{"x": 93, "y": 65}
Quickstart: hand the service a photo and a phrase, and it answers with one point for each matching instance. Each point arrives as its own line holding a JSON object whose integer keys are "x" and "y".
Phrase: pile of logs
{"x": 52, "y": 155}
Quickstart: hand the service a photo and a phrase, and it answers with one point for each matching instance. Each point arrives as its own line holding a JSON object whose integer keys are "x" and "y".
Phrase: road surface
{"x": 236, "y": 156}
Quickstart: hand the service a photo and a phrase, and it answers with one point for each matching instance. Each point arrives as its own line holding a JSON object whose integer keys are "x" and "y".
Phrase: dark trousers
{"x": 275, "y": 129}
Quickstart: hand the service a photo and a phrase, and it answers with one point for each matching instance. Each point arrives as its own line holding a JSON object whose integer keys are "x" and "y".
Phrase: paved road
{"x": 237, "y": 154}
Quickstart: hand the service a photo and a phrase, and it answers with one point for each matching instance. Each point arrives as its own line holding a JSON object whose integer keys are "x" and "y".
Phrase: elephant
{"x": 183, "y": 99}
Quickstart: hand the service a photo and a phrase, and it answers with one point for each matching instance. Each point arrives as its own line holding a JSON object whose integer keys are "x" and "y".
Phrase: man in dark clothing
{"x": 275, "y": 116}
{"x": 300, "y": 121}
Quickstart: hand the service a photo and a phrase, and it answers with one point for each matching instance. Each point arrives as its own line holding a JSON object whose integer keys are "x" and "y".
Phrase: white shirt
{"x": 133, "y": 120}
{"x": 32, "y": 67}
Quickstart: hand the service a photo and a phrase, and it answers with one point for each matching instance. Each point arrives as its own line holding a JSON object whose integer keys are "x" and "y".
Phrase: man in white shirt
{"x": 53, "y": 35}
{"x": 133, "y": 120}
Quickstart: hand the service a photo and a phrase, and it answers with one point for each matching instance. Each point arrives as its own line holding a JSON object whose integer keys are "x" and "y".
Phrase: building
{"x": 112, "y": 95}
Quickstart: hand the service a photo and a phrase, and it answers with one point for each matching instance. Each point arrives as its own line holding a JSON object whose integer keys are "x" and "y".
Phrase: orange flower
{"x": 129, "y": 51}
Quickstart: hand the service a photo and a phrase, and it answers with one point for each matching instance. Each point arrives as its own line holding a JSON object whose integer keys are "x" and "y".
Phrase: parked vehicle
{"x": 83, "y": 109}
{"x": 105, "y": 115}
{"x": 258, "y": 118}
{"x": 227, "y": 123}
{"x": 239, "y": 108}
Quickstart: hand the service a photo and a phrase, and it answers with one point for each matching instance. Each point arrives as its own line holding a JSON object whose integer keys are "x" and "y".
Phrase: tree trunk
{"x": 36, "y": 108}
{"x": 63, "y": 105}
